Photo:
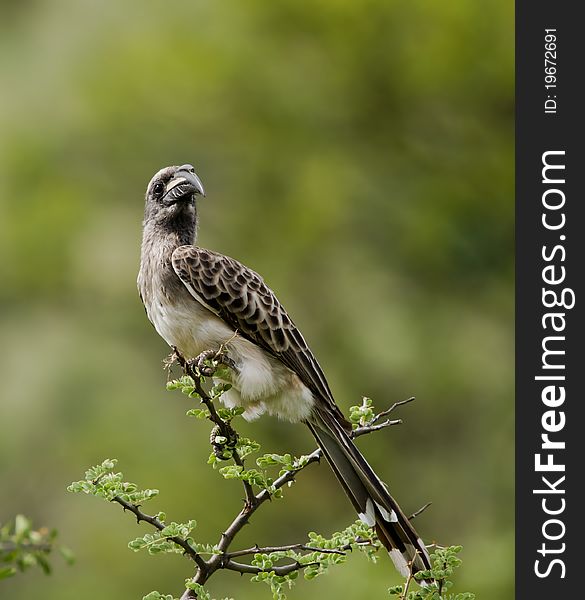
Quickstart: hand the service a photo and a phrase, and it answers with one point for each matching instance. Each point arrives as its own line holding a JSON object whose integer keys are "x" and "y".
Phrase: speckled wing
{"x": 240, "y": 297}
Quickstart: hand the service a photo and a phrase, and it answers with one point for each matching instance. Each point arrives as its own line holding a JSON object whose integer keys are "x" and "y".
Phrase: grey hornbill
{"x": 200, "y": 300}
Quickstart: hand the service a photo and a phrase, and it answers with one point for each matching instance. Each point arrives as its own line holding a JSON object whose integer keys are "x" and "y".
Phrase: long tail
{"x": 370, "y": 497}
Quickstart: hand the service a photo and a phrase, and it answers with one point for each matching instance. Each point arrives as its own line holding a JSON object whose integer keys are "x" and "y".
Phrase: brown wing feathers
{"x": 240, "y": 297}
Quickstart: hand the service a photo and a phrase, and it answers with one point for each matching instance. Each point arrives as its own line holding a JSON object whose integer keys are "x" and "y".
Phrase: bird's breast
{"x": 261, "y": 382}
{"x": 186, "y": 324}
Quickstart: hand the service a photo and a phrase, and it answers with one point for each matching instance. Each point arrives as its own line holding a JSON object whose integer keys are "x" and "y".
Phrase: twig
{"x": 267, "y": 549}
{"x": 386, "y": 412}
{"x": 411, "y": 565}
{"x": 359, "y": 431}
{"x": 408, "y": 580}
{"x": 419, "y": 511}
{"x": 224, "y": 427}
{"x": 158, "y": 524}
{"x": 282, "y": 570}
{"x": 289, "y": 476}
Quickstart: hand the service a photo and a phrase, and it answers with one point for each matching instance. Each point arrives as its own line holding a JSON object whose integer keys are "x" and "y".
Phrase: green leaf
{"x": 219, "y": 389}
{"x": 246, "y": 446}
{"x": 185, "y": 384}
{"x": 362, "y": 415}
{"x": 171, "y": 530}
{"x": 22, "y": 527}
{"x": 202, "y": 593}
{"x": 67, "y": 554}
{"x": 198, "y": 413}
{"x": 157, "y": 596}
{"x": 231, "y": 471}
{"x": 6, "y": 572}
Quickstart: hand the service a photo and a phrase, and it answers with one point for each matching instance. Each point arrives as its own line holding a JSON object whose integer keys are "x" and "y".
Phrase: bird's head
{"x": 170, "y": 197}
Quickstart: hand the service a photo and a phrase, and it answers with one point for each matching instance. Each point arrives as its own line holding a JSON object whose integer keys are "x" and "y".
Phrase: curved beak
{"x": 184, "y": 183}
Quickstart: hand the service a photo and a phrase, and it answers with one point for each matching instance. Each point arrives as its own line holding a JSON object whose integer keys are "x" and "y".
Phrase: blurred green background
{"x": 357, "y": 154}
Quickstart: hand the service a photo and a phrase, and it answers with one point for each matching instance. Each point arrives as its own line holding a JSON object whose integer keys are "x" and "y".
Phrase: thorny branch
{"x": 158, "y": 524}
{"x": 266, "y": 549}
{"x": 281, "y": 570}
{"x": 197, "y": 369}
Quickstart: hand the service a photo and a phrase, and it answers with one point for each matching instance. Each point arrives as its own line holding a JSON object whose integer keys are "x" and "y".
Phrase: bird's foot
{"x": 197, "y": 364}
{"x": 200, "y": 364}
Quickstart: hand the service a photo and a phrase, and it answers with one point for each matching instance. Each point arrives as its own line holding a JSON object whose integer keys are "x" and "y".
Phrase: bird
{"x": 200, "y": 300}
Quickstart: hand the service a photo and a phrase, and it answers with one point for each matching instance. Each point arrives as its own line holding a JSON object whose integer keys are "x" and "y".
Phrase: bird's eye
{"x": 158, "y": 188}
